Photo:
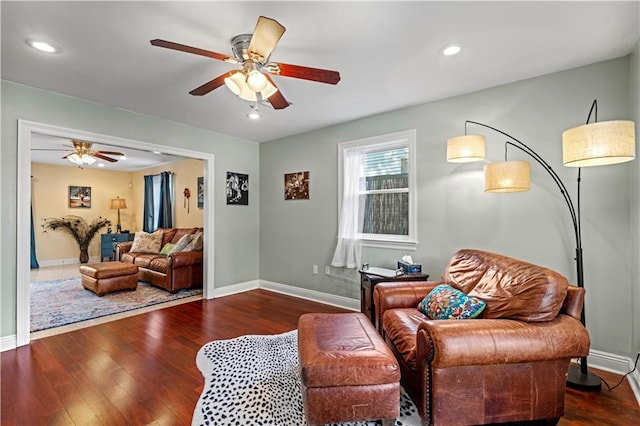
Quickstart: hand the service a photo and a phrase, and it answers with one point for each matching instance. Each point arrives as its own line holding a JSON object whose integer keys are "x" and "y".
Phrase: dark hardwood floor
{"x": 141, "y": 370}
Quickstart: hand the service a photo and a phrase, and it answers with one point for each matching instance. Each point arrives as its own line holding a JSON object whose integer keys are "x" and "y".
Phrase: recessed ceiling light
{"x": 157, "y": 152}
{"x": 123, "y": 157}
{"x": 451, "y": 50}
{"x": 100, "y": 164}
{"x": 43, "y": 46}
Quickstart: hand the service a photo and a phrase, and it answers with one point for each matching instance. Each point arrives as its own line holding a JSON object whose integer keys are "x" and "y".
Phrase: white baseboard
{"x": 69, "y": 261}
{"x": 8, "y": 343}
{"x": 315, "y": 296}
{"x": 616, "y": 364}
{"x": 235, "y": 288}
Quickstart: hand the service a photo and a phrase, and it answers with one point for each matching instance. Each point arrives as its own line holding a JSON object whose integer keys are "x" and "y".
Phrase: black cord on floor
{"x": 635, "y": 365}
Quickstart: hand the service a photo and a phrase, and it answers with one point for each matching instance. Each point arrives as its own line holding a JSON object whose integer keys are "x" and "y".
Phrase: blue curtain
{"x": 165, "y": 215}
{"x": 158, "y": 213}
{"x": 34, "y": 260}
{"x": 148, "y": 213}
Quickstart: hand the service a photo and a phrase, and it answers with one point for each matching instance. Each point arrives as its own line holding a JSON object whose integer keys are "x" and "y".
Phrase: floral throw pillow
{"x": 445, "y": 302}
{"x": 144, "y": 242}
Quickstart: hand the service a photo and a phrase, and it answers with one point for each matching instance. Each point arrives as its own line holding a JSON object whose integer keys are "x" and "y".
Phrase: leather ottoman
{"x": 102, "y": 278}
{"x": 348, "y": 373}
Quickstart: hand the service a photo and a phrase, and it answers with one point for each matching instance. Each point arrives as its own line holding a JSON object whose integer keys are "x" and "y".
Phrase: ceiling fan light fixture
{"x": 236, "y": 82}
{"x": 75, "y": 159}
{"x": 257, "y": 81}
{"x": 87, "y": 159}
{"x": 268, "y": 91}
{"x": 247, "y": 94}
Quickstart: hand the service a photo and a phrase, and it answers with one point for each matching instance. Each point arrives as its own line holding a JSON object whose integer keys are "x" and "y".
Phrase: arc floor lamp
{"x": 595, "y": 144}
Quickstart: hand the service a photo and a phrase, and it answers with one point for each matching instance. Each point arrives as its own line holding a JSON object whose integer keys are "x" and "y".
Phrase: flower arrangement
{"x": 79, "y": 229}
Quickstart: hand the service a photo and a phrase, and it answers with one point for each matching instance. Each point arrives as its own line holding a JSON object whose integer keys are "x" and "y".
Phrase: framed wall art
{"x": 79, "y": 197}
{"x": 200, "y": 186}
{"x": 296, "y": 186}
{"x": 237, "y": 189}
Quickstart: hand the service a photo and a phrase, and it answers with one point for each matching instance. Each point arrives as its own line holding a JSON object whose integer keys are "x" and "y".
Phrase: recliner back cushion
{"x": 511, "y": 288}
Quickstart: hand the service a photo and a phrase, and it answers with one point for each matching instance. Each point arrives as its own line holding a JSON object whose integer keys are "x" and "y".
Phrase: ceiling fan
{"x": 83, "y": 154}
{"x": 252, "y": 51}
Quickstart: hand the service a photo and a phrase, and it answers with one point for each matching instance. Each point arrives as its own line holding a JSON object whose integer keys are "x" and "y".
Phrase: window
{"x": 381, "y": 171}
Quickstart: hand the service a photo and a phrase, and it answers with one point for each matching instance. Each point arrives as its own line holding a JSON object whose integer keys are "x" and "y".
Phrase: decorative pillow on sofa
{"x": 166, "y": 249}
{"x": 196, "y": 243}
{"x": 181, "y": 244}
{"x": 445, "y": 302}
{"x": 144, "y": 242}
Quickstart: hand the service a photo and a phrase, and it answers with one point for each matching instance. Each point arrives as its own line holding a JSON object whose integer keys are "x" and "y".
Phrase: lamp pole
{"x": 579, "y": 378}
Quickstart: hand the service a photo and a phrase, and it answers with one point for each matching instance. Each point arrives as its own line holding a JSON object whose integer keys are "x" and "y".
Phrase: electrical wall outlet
{"x": 315, "y": 269}
{"x": 327, "y": 270}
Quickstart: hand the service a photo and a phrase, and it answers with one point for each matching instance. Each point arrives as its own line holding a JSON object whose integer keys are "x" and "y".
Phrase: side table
{"x": 373, "y": 276}
{"x": 108, "y": 242}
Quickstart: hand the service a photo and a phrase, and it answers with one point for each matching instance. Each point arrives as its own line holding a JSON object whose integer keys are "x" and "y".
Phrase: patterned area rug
{"x": 60, "y": 302}
{"x": 254, "y": 380}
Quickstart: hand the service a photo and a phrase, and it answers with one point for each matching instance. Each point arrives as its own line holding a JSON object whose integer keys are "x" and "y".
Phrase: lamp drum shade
{"x": 599, "y": 144}
{"x": 118, "y": 203}
{"x": 465, "y": 149}
{"x": 507, "y": 176}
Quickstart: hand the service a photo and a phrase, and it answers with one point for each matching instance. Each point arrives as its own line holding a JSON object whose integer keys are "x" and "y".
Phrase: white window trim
{"x": 385, "y": 142}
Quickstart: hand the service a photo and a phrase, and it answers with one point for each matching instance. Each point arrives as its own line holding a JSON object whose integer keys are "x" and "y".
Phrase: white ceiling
{"x": 388, "y": 53}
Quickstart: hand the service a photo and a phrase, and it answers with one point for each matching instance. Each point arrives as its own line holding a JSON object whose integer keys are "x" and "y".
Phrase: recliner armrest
{"x": 399, "y": 294}
{"x": 451, "y": 343}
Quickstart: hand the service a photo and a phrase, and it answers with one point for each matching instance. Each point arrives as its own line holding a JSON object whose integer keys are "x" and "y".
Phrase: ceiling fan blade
{"x": 109, "y": 152}
{"x": 189, "y": 49}
{"x": 211, "y": 85}
{"x": 265, "y": 37}
{"x": 103, "y": 157}
{"x": 277, "y": 100}
{"x": 308, "y": 73}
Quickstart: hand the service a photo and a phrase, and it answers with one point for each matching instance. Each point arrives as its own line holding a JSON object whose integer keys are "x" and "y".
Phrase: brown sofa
{"x": 172, "y": 273}
{"x": 508, "y": 365}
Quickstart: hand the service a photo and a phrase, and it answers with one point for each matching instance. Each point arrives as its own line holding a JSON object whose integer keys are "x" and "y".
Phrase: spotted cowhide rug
{"x": 254, "y": 380}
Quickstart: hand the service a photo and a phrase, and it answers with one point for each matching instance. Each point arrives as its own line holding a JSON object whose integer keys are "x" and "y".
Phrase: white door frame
{"x": 23, "y": 265}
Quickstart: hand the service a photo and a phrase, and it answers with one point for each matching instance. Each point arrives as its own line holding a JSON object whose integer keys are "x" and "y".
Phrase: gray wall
{"x": 453, "y": 210}
{"x": 236, "y": 227}
{"x": 634, "y": 83}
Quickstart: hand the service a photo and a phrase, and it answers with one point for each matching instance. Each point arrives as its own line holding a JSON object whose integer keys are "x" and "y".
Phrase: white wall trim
{"x": 616, "y": 364}
{"x": 68, "y": 261}
{"x": 228, "y": 290}
{"x": 315, "y": 296}
{"x": 23, "y": 264}
{"x": 7, "y": 343}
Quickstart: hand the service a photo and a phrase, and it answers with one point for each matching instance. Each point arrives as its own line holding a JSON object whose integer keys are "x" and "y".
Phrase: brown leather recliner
{"x": 508, "y": 365}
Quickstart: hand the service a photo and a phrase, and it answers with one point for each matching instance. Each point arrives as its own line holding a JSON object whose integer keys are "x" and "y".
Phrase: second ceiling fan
{"x": 252, "y": 51}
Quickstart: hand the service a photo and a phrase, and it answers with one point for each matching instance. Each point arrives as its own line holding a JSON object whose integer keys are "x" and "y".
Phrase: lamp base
{"x": 585, "y": 382}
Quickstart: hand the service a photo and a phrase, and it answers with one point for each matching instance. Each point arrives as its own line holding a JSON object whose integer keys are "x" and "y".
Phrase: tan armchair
{"x": 508, "y": 365}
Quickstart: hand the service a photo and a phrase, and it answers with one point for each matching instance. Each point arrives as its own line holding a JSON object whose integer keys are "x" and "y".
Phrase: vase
{"x": 84, "y": 255}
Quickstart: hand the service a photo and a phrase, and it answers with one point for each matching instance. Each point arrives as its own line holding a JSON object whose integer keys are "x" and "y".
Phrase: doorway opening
{"x": 26, "y": 130}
